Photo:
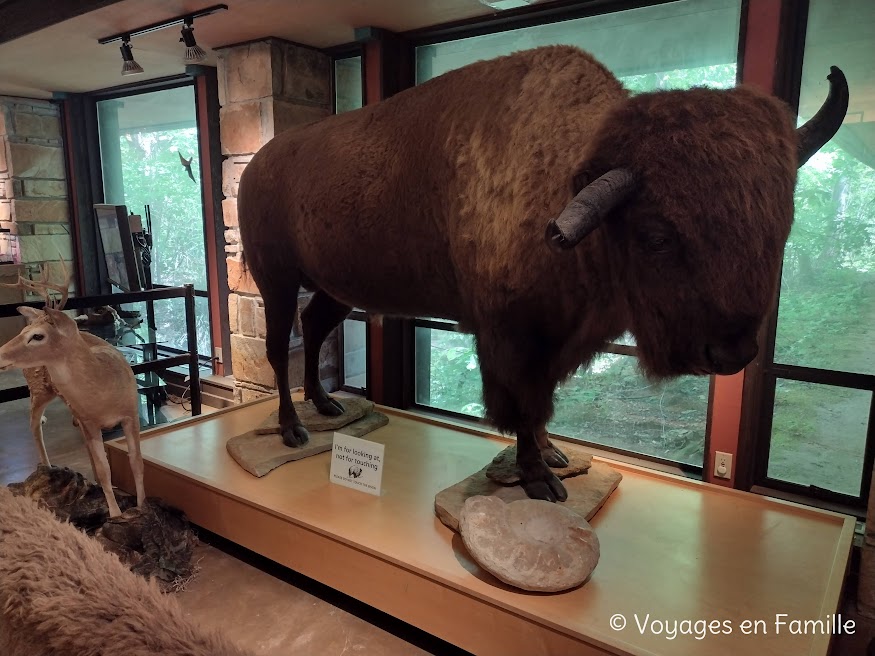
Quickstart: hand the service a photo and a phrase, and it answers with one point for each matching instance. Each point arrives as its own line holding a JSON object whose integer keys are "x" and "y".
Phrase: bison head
{"x": 695, "y": 196}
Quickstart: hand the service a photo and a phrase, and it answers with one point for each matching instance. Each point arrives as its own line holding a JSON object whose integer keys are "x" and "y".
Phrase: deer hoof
{"x": 295, "y": 436}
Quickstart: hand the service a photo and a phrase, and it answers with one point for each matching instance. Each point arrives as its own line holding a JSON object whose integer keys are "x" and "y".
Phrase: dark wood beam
{"x": 21, "y": 17}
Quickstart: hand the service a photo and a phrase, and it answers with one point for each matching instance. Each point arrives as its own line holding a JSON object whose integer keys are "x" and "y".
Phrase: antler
{"x": 44, "y": 288}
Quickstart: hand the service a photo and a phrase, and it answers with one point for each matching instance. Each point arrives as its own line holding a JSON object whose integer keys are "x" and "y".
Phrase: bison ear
{"x": 589, "y": 207}
{"x": 821, "y": 127}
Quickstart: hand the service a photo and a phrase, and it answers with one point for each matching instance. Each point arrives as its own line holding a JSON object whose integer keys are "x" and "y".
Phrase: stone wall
{"x": 265, "y": 87}
{"x": 33, "y": 189}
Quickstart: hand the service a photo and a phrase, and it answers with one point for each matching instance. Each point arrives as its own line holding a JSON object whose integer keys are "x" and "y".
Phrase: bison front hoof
{"x": 329, "y": 407}
{"x": 554, "y": 457}
{"x": 548, "y": 489}
{"x": 295, "y": 436}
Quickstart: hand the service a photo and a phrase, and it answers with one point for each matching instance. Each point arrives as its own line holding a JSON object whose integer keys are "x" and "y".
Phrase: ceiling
{"x": 67, "y": 57}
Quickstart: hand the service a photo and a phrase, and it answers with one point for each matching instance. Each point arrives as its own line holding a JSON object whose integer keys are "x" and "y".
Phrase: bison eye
{"x": 661, "y": 243}
{"x": 37, "y": 337}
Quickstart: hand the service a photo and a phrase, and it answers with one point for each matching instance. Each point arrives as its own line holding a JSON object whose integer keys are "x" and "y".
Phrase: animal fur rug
{"x": 62, "y": 594}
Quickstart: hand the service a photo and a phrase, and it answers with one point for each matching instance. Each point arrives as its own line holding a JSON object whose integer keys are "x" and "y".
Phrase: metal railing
{"x": 190, "y": 357}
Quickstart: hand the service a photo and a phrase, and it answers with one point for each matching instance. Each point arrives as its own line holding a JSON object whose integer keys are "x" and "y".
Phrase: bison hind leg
{"x": 322, "y": 315}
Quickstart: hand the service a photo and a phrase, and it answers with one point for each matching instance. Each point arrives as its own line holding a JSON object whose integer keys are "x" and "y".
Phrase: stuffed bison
{"x": 534, "y": 201}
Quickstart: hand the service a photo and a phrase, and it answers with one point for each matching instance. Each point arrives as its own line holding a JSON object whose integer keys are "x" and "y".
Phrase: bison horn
{"x": 821, "y": 127}
{"x": 584, "y": 214}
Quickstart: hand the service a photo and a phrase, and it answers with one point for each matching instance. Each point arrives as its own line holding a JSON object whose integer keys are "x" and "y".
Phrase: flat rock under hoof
{"x": 529, "y": 544}
{"x": 587, "y": 492}
{"x": 260, "y": 453}
{"x": 503, "y": 468}
{"x": 354, "y": 408}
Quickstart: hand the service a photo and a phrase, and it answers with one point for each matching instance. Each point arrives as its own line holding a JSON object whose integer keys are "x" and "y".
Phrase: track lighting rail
{"x": 128, "y": 34}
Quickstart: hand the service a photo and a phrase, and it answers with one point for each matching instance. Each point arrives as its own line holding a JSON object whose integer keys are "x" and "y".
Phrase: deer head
{"x": 42, "y": 340}
{"x": 46, "y": 339}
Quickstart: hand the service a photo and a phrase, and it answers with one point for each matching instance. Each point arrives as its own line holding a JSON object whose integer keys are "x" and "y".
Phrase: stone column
{"x": 265, "y": 87}
{"x": 33, "y": 188}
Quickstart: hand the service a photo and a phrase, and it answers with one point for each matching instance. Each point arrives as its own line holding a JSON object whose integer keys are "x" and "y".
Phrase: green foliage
{"x": 154, "y": 176}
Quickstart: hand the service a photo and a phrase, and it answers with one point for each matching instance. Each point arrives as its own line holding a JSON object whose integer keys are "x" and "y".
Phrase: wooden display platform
{"x": 672, "y": 549}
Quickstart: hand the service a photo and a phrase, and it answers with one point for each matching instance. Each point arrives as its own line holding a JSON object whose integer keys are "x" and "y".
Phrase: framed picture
{"x": 118, "y": 247}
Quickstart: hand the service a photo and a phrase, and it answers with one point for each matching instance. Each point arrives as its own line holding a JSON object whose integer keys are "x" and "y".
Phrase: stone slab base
{"x": 261, "y": 450}
{"x": 587, "y": 492}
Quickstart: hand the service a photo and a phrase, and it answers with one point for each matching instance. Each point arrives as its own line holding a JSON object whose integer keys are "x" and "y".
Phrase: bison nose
{"x": 728, "y": 359}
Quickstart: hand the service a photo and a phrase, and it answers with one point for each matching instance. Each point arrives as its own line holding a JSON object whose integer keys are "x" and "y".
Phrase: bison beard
{"x": 435, "y": 203}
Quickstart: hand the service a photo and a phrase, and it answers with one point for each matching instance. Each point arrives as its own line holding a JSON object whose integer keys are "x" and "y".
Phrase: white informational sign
{"x": 357, "y": 463}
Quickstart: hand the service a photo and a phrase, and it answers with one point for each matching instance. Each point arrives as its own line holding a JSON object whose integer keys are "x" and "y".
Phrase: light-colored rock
{"x": 529, "y": 544}
{"x": 239, "y": 278}
{"x": 28, "y": 160}
{"x": 52, "y": 211}
{"x": 229, "y": 213}
{"x": 586, "y": 493}
{"x": 354, "y": 408}
{"x": 503, "y": 468}
{"x": 241, "y": 127}
{"x": 367, "y": 424}
{"x": 259, "y": 453}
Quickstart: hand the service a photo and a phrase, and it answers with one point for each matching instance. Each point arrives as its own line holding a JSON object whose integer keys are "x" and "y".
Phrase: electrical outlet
{"x": 723, "y": 465}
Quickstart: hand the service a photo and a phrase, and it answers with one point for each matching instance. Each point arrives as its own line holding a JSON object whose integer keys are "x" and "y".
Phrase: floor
{"x": 268, "y": 608}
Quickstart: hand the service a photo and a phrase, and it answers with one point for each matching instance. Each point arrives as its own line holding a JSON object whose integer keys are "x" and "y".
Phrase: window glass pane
{"x": 348, "y": 96}
{"x": 692, "y": 35}
{"x": 819, "y": 435}
{"x": 827, "y": 310}
{"x": 609, "y": 403}
{"x": 355, "y": 355}
{"x": 347, "y": 84}
{"x": 149, "y": 156}
{"x": 448, "y": 372}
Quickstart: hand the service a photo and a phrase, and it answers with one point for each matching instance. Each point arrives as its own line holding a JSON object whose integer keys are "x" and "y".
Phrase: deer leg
{"x": 131, "y": 428}
{"x": 549, "y": 451}
{"x": 37, "y": 406}
{"x": 279, "y": 315}
{"x": 519, "y": 398}
{"x": 94, "y": 442}
{"x": 318, "y": 319}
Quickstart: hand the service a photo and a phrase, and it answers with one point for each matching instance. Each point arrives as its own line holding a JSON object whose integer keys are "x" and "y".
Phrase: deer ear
{"x": 29, "y": 313}
{"x": 61, "y": 321}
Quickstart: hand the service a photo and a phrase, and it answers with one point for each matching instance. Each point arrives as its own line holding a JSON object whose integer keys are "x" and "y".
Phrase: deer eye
{"x": 36, "y": 337}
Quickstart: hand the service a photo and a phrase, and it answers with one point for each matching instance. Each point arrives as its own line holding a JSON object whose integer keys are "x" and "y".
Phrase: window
{"x": 675, "y": 45}
{"x": 347, "y": 97}
{"x": 814, "y": 435}
{"x": 144, "y": 139}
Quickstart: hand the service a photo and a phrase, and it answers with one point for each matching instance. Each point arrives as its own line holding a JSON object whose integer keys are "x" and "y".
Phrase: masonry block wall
{"x": 33, "y": 192}
{"x": 265, "y": 87}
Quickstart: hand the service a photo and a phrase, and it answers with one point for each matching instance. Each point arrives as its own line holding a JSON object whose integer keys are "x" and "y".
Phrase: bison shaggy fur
{"x": 434, "y": 203}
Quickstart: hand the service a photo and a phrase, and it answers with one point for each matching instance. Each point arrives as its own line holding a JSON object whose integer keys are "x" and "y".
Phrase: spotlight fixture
{"x": 129, "y": 66}
{"x": 193, "y": 52}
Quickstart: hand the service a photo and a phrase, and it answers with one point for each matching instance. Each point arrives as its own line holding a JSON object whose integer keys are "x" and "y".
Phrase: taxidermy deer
{"x": 89, "y": 375}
